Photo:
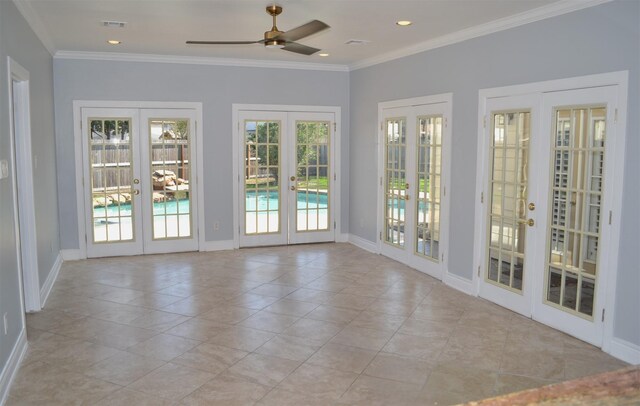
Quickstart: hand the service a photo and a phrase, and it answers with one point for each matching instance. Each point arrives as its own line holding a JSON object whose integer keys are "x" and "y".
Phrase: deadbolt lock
{"x": 136, "y": 181}
{"x": 532, "y": 206}
{"x": 292, "y": 178}
{"x": 293, "y": 188}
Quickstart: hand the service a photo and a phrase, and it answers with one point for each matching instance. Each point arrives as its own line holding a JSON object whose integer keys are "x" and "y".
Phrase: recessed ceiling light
{"x": 403, "y": 23}
{"x": 323, "y": 54}
{"x": 114, "y": 42}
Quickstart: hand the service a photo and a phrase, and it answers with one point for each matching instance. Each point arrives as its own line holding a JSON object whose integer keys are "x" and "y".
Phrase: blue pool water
{"x": 315, "y": 201}
{"x": 260, "y": 201}
{"x": 171, "y": 207}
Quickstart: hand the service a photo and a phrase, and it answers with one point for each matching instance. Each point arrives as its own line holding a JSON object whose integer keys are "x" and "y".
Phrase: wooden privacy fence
{"x": 111, "y": 164}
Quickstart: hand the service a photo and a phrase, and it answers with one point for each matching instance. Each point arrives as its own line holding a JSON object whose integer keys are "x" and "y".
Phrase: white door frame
{"x": 447, "y": 100}
{"x": 78, "y": 105}
{"x": 618, "y": 79}
{"x": 335, "y": 151}
{"x": 22, "y": 167}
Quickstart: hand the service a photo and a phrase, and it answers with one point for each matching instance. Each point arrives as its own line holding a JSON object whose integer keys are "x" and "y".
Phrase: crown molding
{"x": 537, "y": 14}
{"x": 540, "y": 13}
{"x": 194, "y": 60}
{"x": 36, "y": 24}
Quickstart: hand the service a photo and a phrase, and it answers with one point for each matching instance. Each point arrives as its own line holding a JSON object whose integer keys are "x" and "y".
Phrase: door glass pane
{"x": 508, "y": 193}
{"x": 170, "y": 175}
{"x": 428, "y": 172}
{"x": 576, "y": 197}
{"x": 312, "y": 175}
{"x": 395, "y": 181}
{"x": 111, "y": 174}
{"x": 261, "y": 177}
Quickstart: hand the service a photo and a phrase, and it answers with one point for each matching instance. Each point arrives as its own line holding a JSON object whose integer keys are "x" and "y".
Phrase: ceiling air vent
{"x": 357, "y": 42}
{"x": 114, "y": 24}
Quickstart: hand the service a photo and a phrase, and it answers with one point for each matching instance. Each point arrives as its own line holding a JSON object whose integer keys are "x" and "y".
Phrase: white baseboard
{"x": 13, "y": 363}
{"x": 72, "y": 255}
{"x": 51, "y": 279}
{"x": 217, "y": 245}
{"x": 364, "y": 244}
{"x": 458, "y": 283}
{"x": 624, "y": 350}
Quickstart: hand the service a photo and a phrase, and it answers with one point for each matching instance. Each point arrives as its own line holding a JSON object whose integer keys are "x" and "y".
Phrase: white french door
{"x": 548, "y": 193}
{"x": 414, "y": 205}
{"x": 577, "y": 244}
{"x": 286, "y": 183}
{"x": 512, "y": 166}
{"x": 139, "y": 187}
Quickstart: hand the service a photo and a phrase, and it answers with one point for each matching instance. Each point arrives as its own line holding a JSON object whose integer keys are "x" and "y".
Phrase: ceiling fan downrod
{"x": 270, "y": 37}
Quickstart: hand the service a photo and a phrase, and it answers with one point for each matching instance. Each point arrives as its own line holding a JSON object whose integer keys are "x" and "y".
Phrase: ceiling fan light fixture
{"x": 274, "y": 44}
{"x": 404, "y": 23}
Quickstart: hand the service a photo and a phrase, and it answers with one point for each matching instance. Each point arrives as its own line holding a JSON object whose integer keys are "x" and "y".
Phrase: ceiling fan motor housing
{"x": 271, "y": 39}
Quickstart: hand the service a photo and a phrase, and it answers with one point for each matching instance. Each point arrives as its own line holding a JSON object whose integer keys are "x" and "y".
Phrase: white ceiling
{"x": 161, "y": 27}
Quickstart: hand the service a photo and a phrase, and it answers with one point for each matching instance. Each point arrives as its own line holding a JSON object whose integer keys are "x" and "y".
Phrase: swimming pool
{"x": 168, "y": 207}
{"x": 262, "y": 201}
{"x": 255, "y": 201}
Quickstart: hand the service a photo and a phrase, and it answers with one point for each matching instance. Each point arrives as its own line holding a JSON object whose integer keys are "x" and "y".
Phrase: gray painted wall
{"x": 20, "y": 43}
{"x": 595, "y": 40}
{"x": 217, "y": 87}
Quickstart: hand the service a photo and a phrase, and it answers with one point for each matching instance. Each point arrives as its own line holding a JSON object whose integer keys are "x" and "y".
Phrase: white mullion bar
{"x": 516, "y": 182}
{"x": 386, "y": 182}
{"x": 575, "y": 139}
{"x": 165, "y": 217}
{"x": 568, "y": 197}
{"x": 503, "y": 185}
{"x": 437, "y": 178}
{"x": 585, "y": 136}
{"x": 103, "y": 175}
{"x": 578, "y": 206}
{"x": 429, "y": 176}
{"x": 391, "y": 199}
{"x": 117, "y": 173}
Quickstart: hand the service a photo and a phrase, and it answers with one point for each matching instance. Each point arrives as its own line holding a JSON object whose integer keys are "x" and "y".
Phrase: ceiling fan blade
{"x": 224, "y": 42}
{"x": 299, "y": 48}
{"x": 304, "y": 30}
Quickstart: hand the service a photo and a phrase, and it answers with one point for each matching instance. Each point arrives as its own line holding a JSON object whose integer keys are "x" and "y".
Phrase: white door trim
{"x": 620, "y": 80}
{"x": 22, "y": 168}
{"x": 237, "y": 108}
{"x": 447, "y": 100}
{"x": 78, "y": 105}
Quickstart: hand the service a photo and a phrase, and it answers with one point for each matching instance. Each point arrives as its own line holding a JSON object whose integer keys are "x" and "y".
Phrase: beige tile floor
{"x": 322, "y": 324}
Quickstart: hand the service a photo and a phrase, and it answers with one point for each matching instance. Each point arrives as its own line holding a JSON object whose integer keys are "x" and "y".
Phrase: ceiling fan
{"x": 275, "y": 38}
